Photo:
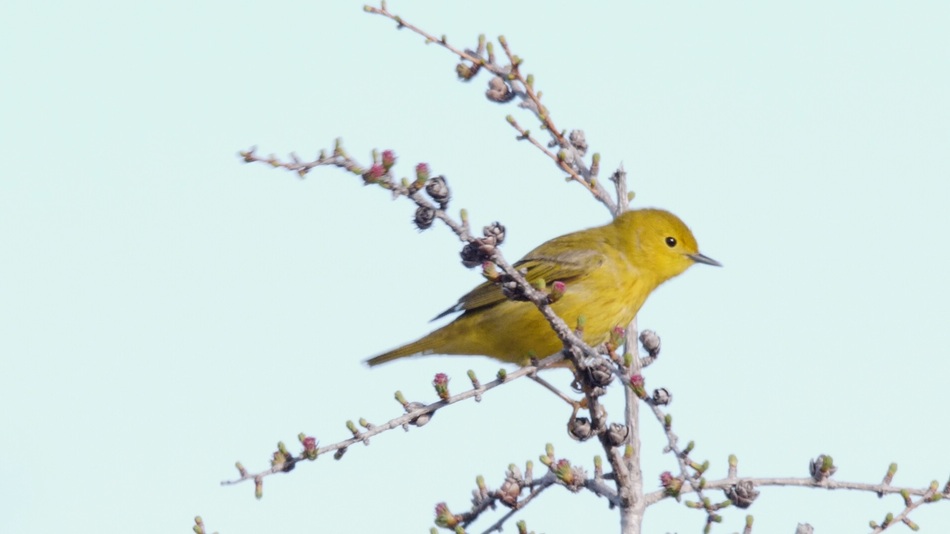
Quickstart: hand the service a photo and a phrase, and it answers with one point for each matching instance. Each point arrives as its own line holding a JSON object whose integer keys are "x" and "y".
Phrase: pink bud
{"x": 666, "y": 478}
{"x": 377, "y": 171}
{"x": 389, "y": 159}
{"x": 441, "y": 384}
{"x": 422, "y": 171}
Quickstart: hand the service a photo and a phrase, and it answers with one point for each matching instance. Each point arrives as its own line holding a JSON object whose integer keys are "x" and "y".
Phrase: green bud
{"x": 827, "y": 463}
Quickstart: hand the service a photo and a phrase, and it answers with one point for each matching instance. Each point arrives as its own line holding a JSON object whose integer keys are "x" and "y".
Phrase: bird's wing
{"x": 561, "y": 259}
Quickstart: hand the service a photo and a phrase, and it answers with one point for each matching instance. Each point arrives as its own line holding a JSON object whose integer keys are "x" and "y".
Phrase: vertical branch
{"x": 631, "y": 517}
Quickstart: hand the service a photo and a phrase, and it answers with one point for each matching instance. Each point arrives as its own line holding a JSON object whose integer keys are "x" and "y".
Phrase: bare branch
{"x": 411, "y": 417}
{"x": 509, "y": 82}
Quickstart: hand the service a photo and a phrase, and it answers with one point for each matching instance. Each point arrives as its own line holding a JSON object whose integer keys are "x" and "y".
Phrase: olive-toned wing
{"x": 561, "y": 259}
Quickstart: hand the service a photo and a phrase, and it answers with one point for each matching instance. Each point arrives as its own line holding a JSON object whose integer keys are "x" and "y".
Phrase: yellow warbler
{"x": 608, "y": 272}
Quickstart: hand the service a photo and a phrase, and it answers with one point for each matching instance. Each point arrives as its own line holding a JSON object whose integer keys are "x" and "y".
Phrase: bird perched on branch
{"x": 600, "y": 276}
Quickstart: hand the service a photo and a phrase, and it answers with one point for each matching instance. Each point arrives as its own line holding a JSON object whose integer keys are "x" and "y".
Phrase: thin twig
{"x": 804, "y": 482}
{"x": 401, "y": 421}
{"x": 544, "y": 484}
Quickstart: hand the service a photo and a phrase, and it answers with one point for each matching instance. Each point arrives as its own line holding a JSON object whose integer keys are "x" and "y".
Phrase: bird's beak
{"x": 699, "y": 258}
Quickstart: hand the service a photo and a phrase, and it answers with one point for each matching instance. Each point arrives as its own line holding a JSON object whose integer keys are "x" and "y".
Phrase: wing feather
{"x": 561, "y": 259}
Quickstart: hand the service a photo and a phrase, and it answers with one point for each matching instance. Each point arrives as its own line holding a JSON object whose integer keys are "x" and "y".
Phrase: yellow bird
{"x": 608, "y": 272}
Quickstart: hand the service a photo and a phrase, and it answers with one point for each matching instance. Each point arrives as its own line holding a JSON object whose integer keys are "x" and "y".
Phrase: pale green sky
{"x": 167, "y": 310}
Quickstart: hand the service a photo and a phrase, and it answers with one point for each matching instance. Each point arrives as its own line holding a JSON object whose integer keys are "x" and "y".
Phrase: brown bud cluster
{"x": 742, "y": 494}
{"x": 438, "y": 189}
{"x": 578, "y": 141}
{"x": 424, "y": 217}
{"x": 651, "y": 342}
{"x": 509, "y": 491}
{"x": 600, "y": 372}
{"x": 480, "y": 250}
{"x": 580, "y": 428}
{"x": 662, "y": 397}
{"x": 499, "y": 90}
{"x": 617, "y": 434}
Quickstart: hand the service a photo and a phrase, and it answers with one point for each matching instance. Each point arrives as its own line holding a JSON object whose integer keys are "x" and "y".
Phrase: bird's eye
{"x": 671, "y": 242}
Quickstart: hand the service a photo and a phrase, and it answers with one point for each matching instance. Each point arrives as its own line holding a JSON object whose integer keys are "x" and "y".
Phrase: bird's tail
{"x": 416, "y": 348}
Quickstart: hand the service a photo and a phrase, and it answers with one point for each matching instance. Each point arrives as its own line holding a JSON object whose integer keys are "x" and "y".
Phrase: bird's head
{"x": 661, "y": 243}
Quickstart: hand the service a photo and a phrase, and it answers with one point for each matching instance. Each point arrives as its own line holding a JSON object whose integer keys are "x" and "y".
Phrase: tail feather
{"x": 416, "y": 348}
